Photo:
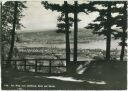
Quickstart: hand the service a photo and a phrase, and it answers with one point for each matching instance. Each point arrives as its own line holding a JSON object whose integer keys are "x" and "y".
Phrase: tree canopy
{"x": 101, "y": 21}
{"x": 7, "y": 17}
{"x": 70, "y": 8}
{"x": 84, "y": 7}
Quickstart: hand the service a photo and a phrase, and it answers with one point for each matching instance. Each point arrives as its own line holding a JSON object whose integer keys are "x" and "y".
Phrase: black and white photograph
{"x": 63, "y": 45}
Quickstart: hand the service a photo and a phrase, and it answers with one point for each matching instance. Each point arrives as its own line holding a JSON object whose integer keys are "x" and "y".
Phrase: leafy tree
{"x": 11, "y": 16}
{"x": 102, "y": 25}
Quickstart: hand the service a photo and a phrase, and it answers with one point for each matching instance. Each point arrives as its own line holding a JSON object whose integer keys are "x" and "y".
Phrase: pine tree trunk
{"x": 75, "y": 32}
{"x": 1, "y": 35}
{"x": 108, "y": 47}
{"x": 108, "y": 27}
{"x": 122, "y": 50}
{"x": 124, "y": 36}
{"x": 75, "y": 37}
{"x": 67, "y": 38}
{"x": 10, "y": 54}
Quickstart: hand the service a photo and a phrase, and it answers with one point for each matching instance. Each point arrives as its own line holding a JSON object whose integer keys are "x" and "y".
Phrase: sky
{"x": 37, "y": 18}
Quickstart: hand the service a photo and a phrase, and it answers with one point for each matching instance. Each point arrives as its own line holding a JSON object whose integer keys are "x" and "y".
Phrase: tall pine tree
{"x": 102, "y": 25}
{"x": 120, "y": 20}
{"x": 68, "y": 8}
{"x": 65, "y": 10}
{"x": 11, "y": 16}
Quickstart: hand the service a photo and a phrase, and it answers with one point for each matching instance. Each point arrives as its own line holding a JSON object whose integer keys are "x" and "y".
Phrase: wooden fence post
{"x": 35, "y": 65}
{"x": 50, "y": 69}
{"x": 24, "y": 64}
{"x": 15, "y": 64}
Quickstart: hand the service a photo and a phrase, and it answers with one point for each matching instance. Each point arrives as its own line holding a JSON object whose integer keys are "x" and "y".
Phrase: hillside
{"x": 84, "y": 36}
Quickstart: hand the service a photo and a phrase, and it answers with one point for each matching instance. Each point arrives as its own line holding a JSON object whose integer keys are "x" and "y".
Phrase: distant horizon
{"x": 41, "y": 30}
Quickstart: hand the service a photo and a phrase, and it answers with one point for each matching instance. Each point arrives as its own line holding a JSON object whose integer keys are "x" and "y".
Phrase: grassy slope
{"x": 51, "y": 36}
{"x": 23, "y": 78}
{"x": 113, "y": 73}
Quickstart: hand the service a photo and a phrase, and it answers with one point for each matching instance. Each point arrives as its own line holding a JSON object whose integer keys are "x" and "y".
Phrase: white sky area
{"x": 37, "y": 18}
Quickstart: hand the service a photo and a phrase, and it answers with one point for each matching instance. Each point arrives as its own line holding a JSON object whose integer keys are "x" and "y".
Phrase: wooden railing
{"x": 37, "y": 64}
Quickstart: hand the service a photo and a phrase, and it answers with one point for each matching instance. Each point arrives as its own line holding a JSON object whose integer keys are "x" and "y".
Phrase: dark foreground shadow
{"x": 114, "y": 74}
